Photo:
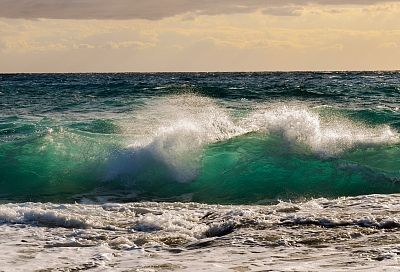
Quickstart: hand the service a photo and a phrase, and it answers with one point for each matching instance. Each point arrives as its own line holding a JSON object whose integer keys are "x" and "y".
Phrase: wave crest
{"x": 170, "y": 134}
{"x": 176, "y": 133}
{"x": 324, "y": 136}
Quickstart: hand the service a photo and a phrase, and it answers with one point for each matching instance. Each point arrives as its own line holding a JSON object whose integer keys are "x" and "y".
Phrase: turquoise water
{"x": 204, "y": 137}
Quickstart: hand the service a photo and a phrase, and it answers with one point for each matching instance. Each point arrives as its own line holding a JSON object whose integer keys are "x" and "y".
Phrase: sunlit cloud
{"x": 199, "y": 35}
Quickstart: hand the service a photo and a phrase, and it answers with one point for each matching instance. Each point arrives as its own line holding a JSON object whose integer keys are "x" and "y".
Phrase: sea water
{"x": 169, "y": 171}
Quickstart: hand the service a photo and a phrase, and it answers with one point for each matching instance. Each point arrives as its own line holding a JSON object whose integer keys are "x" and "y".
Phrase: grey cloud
{"x": 155, "y": 9}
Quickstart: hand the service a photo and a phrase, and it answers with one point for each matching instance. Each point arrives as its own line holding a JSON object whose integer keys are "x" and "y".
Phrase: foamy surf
{"x": 317, "y": 235}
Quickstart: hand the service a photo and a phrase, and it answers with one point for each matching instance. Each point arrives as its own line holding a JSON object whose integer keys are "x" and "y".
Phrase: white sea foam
{"x": 355, "y": 231}
{"x": 39, "y": 215}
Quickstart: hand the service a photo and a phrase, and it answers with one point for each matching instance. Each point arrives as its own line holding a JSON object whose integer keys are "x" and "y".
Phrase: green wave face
{"x": 255, "y": 169}
{"x": 52, "y": 166}
{"x": 65, "y": 165}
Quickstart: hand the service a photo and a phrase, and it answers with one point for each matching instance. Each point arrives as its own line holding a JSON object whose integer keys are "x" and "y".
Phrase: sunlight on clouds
{"x": 65, "y": 35}
{"x": 310, "y": 37}
{"x": 389, "y": 45}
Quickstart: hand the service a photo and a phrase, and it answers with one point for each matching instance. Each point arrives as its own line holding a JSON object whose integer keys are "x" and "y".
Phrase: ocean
{"x": 286, "y": 171}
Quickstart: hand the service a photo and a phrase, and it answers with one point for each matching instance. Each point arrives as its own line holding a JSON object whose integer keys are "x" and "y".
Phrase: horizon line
{"x": 205, "y": 72}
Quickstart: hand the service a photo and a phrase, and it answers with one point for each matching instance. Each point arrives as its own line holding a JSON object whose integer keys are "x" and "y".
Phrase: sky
{"x": 201, "y": 35}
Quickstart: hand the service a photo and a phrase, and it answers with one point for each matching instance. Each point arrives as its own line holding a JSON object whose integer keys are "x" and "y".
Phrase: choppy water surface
{"x": 295, "y": 143}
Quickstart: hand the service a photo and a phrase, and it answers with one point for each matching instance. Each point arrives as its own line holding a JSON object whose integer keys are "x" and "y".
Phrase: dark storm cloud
{"x": 154, "y": 9}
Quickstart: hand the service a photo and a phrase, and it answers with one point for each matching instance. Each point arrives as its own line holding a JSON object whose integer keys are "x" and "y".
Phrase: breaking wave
{"x": 197, "y": 148}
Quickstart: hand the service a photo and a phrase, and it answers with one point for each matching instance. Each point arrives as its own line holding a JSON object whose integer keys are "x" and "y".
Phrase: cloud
{"x": 389, "y": 45}
{"x": 156, "y": 9}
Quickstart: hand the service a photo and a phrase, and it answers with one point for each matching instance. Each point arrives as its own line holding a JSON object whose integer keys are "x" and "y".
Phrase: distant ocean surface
{"x": 200, "y": 172}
